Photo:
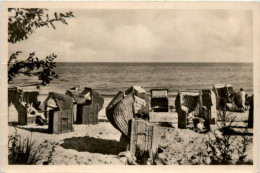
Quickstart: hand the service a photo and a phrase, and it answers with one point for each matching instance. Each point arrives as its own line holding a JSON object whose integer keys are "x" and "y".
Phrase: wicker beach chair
{"x": 82, "y": 98}
{"x": 186, "y": 102}
{"x": 20, "y": 97}
{"x": 123, "y": 108}
{"x": 61, "y": 112}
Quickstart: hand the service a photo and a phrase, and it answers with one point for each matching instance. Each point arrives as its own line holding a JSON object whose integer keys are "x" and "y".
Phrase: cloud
{"x": 147, "y": 35}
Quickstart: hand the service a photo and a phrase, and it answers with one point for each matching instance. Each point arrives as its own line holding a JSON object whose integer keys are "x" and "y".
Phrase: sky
{"x": 146, "y": 36}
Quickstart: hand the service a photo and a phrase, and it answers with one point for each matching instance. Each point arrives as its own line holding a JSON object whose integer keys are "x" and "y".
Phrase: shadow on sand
{"x": 237, "y": 130}
{"x": 99, "y": 120}
{"x": 34, "y": 128}
{"x": 103, "y": 120}
{"x": 92, "y": 145}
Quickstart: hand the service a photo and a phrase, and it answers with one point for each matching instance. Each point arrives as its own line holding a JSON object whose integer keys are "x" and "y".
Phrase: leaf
{"x": 52, "y": 25}
{"x": 63, "y": 21}
{"x": 56, "y": 16}
{"x": 42, "y": 24}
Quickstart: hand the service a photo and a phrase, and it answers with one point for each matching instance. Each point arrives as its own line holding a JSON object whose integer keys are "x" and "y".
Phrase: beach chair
{"x": 61, "y": 112}
{"x": 159, "y": 100}
{"x": 20, "y": 96}
{"x": 185, "y": 103}
{"x": 83, "y": 97}
{"x": 144, "y": 140}
{"x": 125, "y": 106}
{"x": 209, "y": 101}
{"x": 222, "y": 92}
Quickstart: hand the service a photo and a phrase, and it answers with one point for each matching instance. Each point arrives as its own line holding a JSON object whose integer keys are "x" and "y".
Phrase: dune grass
{"x": 21, "y": 151}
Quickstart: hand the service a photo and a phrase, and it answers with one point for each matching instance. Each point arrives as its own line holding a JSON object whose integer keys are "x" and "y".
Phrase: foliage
{"x": 32, "y": 66}
{"x": 200, "y": 158}
{"x": 22, "y": 23}
{"x": 21, "y": 151}
{"x": 242, "y": 147}
{"x": 142, "y": 156}
{"x": 220, "y": 150}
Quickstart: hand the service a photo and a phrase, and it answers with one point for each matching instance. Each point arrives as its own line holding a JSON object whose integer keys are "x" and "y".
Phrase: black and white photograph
{"x": 129, "y": 86}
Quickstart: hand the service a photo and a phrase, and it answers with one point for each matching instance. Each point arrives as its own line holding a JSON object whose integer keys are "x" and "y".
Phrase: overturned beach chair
{"x": 60, "y": 112}
{"x": 86, "y": 104}
{"x": 159, "y": 100}
{"x": 126, "y": 106}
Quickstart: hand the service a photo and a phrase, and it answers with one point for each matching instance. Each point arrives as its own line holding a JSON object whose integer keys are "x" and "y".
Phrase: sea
{"x": 109, "y": 78}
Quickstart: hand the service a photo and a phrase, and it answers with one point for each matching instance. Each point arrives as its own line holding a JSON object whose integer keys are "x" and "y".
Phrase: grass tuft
{"x": 21, "y": 150}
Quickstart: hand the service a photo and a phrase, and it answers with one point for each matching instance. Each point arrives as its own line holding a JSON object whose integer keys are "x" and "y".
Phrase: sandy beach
{"x": 123, "y": 84}
{"x": 99, "y": 144}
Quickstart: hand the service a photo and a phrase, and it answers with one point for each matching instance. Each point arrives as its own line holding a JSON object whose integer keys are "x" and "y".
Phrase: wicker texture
{"x": 19, "y": 96}
{"x": 61, "y": 121}
{"x": 97, "y": 99}
{"x": 222, "y": 92}
{"x": 123, "y": 113}
{"x": 144, "y": 137}
{"x": 87, "y": 114}
{"x": 186, "y": 99}
{"x": 111, "y": 108}
{"x": 210, "y": 102}
{"x": 78, "y": 96}
{"x": 194, "y": 102}
{"x": 63, "y": 111}
{"x": 123, "y": 108}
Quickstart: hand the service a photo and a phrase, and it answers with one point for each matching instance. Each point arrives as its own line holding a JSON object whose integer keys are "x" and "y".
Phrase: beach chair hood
{"x": 186, "y": 100}
{"x": 159, "y": 93}
{"x": 60, "y": 101}
{"x": 27, "y": 94}
{"x": 86, "y": 95}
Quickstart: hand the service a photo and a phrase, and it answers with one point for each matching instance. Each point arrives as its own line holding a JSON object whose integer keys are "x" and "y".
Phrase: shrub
{"x": 201, "y": 158}
{"x": 21, "y": 151}
{"x": 219, "y": 147}
{"x": 242, "y": 148}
